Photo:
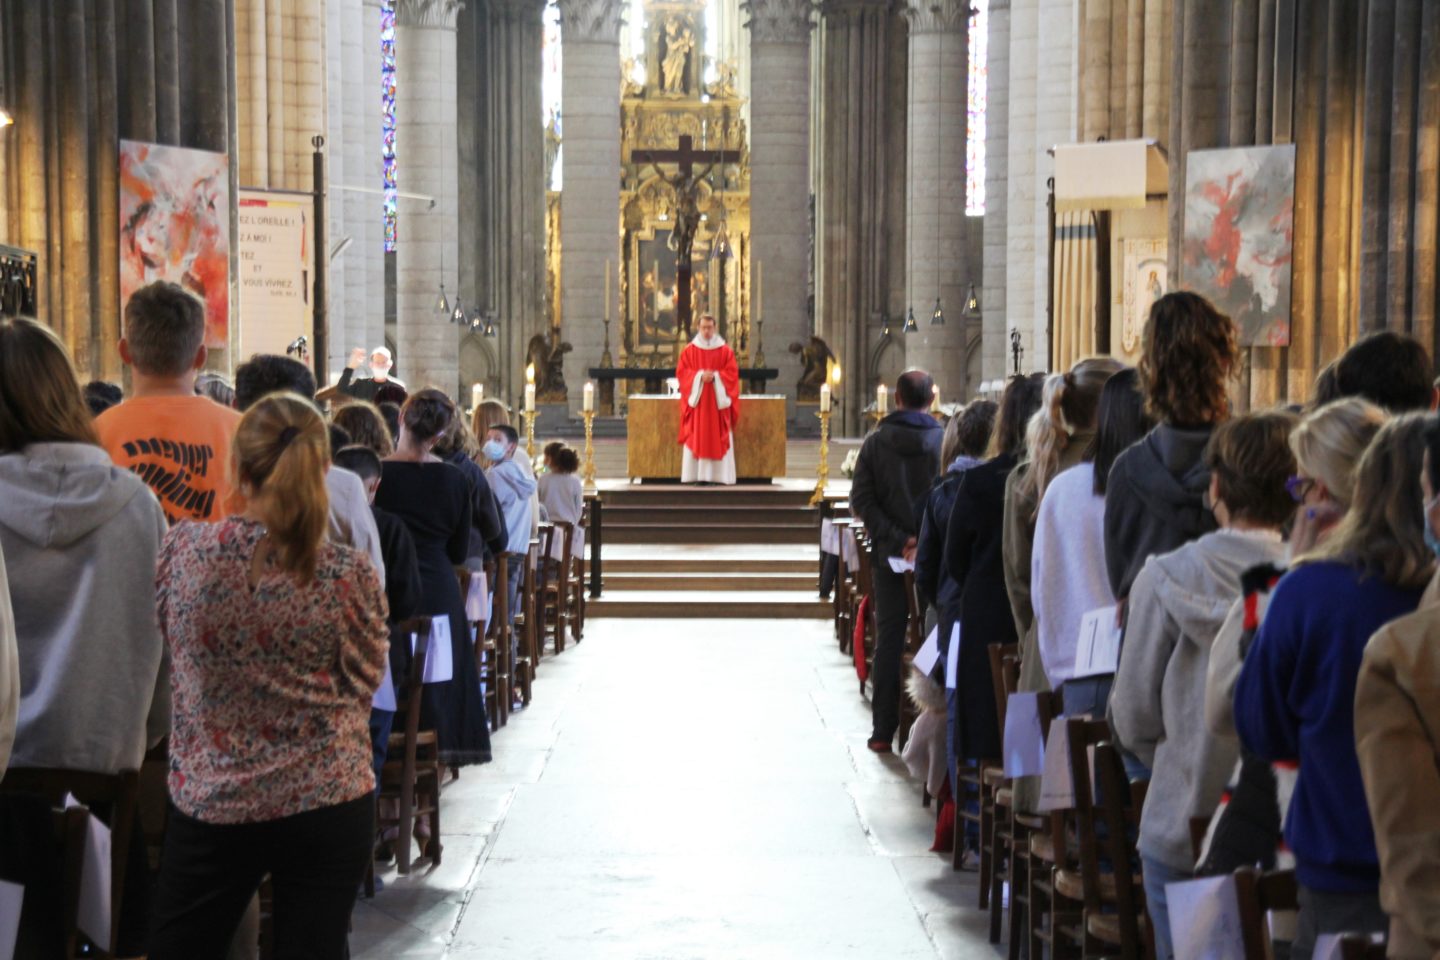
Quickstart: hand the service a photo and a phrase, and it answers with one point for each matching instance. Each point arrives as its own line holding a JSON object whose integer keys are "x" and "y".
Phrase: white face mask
{"x": 494, "y": 450}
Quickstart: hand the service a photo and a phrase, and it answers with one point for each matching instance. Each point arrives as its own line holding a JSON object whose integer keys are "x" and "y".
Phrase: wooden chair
{"x": 557, "y": 587}
{"x": 527, "y": 664}
{"x": 846, "y": 590}
{"x": 501, "y": 633}
{"x": 914, "y": 638}
{"x": 1260, "y": 894}
{"x": 1004, "y": 837}
{"x": 1050, "y": 849}
{"x": 865, "y": 587}
{"x": 120, "y": 793}
{"x": 577, "y": 580}
{"x": 410, "y": 777}
{"x": 1114, "y": 902}
{"x": 487, "y": 654}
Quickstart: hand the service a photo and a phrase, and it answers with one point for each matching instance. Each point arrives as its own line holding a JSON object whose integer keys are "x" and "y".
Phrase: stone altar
{"x": 654, "y": 432}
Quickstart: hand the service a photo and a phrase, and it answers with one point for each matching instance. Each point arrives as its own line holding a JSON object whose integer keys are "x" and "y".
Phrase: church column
{"x": 590, "y": 198}
{"x": 994, "y": 340}
{"x": 373, "y": 232}
{"x": 780, "y": 174}
{"x": 425, "y": 148}
{"x": 935, "y": 249}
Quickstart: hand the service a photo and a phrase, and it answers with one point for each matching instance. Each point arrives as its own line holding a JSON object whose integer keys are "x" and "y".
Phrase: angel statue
{"x": 725, "y": 86}
{"x": 815, "y": 355}
{"x": 547, "y": 353}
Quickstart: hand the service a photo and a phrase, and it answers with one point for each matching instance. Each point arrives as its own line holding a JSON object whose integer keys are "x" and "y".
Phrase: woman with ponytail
{"x": 278, "y": 642}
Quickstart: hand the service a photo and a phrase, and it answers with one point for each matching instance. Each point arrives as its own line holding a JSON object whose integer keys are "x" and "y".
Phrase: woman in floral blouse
{"x": 278, "y": 642}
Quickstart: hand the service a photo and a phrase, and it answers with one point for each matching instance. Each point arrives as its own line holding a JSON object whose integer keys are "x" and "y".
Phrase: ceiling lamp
{"x": 442, "y": 305}
{"x": 910, "y": 325}
{"x": 972, "y": 303}
{"x": 937, "y": 318}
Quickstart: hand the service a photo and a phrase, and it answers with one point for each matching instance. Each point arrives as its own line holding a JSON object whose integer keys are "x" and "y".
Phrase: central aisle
{"x": 684, "y": 789}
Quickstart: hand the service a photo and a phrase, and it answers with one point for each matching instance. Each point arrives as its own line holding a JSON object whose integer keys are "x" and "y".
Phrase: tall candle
{"x": 824, "y": 398}
{"x": 607, "y": 289}
{"x": 759, "y": 289}
{"x": 589, "y": 393}
{"x": 882, "y": 400}
{"x": 477, "y": 395}
{"x": 529, "y": 398}
{"x": 935, "y": 399}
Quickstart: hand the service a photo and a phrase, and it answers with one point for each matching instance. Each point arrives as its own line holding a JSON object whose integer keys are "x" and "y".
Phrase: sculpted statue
{"x": 725, "y": 85}
{"x": 628, "y": 87}
{"x": 547, "y": 352}
{"x": 814, "y": 357}
{"x": 679, "y": 41}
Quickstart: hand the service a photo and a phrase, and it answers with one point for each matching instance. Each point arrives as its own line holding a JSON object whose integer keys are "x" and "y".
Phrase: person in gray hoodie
{"x": 80, "y": 538}
{"x": 1178, "y": 605}
{"x": 1153, "y": 497}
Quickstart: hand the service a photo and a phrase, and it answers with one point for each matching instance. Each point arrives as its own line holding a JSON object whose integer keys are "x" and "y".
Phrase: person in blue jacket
{"x": 1295, "y": 698}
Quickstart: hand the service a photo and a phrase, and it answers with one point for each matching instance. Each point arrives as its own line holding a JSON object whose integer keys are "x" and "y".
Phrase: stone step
{"x": 617, "y": 516}
{"x": 672, "y": 533}
{"x": 719, "y": 578}
{"x": 652, "y": 605}
{"x": 676, "y": 495}
{"x": 660, "y": 564}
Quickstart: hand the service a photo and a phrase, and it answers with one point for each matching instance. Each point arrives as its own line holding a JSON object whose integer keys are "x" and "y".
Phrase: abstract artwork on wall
{"x": 1239, "y": 237}
{"x": 175, "y": 225}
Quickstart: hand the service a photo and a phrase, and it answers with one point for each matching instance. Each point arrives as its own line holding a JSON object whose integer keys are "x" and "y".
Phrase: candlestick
{"x": 589, "y": 475}
{"x": 822, "y": 467}
{"x": 759, "y": 289}
{"x": 935, "y": 399}
{"x": 530, "y": 373}
{"x": 477, "y": 396}
{"x": 529, "y": 398}
{"x": 825, "y": 398}
{"x": 588, "y": 403}
{"x": 882, "y": 400}
{"x": 607, "y": 291}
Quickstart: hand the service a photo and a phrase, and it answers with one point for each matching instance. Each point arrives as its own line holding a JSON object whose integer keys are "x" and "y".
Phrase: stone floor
{"x": 684, "y": 789}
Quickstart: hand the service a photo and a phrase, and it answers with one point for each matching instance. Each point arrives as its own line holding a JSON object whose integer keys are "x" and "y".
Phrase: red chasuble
{"x": 705, "y": 429}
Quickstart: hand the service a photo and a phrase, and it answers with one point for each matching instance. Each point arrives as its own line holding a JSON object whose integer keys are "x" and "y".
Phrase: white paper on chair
{"x": 851, "y": 548}
{"x": 477, "y": 598}
{"x": 384, "y": 698}
{"x": 829, "y": 538}
{"x": 93, "y": 917}
{"x": 929, "y": 653}
{"x": 900, "y": 564}
{"x": 1098, "y": 651}
{"x": 439, "y": 660}
{"x": 1205, "y": 919}
{"x": 1057, "y": 786}
{"x": 952, "y": 657}
{"x": 1024, "y": 744}
{"x": 12, "y": 897}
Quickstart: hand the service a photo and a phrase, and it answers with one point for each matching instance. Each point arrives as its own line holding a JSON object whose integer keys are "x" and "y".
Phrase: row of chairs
{"x": 1073, "y": 875}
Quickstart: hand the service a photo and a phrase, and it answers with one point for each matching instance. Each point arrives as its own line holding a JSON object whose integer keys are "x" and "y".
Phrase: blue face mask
{"x": 1431, "y": 541}
{"x": 494, "y": 450}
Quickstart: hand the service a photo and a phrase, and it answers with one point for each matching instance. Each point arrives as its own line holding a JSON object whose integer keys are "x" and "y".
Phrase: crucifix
{"x": 686, "y": 185}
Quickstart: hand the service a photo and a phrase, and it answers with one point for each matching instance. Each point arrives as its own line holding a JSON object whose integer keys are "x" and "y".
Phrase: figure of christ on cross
{"x": 687, "y": 210}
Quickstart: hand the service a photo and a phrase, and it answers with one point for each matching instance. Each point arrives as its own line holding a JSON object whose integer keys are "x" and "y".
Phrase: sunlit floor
{"x": 684, "y": 789}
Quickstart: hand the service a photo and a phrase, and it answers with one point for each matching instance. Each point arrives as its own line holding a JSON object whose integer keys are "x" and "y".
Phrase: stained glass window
{"x": 975, "y": 109}
{"x": 387, "y": 117}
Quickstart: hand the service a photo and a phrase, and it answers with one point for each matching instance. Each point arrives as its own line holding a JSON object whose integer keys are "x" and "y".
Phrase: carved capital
{"x": 590, "y": 21}
{"x": 518, "y": 11}
{"x": 779, "y": 21}
{"x": 842, "y": 10}
{"x": 427, "y": 13}
{"x": 937, "y": 16}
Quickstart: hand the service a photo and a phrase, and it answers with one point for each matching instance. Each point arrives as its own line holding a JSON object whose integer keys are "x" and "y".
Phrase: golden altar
{"x": 653, "y": 426}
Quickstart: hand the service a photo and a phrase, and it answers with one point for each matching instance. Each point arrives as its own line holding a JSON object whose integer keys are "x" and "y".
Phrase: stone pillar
{"x": 425, "y": 148}
{"x": 360, "y": 144}
{"x": 590, "y": 198}
{"x": 935, "y": 248}
{"x": 371, "y": 174}
{"x": 780, "y": 175}
{"x": 994, "y": 345}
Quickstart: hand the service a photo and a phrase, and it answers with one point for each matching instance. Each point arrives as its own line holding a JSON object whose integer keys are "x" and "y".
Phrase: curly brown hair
{"x": 1189, "y": 353}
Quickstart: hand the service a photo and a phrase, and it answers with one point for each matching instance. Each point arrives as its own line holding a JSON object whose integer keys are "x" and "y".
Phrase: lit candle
{"x": 588, "y": 404}
{"x": 529, "y": 398}
{"x": 477, "y": 395}
{"x": 935, "y": 399}
{"x": 607, "y": 289}
{"x": 530, "y": 373}
{"x": 824, "y": 398}
{"x": 882, "y": 400}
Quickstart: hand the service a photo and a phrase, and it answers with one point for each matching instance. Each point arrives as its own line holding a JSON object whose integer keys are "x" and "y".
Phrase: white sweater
{"x": 1067, "y": 567}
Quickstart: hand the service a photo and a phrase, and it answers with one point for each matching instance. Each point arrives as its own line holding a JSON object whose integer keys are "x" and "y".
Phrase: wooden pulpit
{"x": 653, "y": 426}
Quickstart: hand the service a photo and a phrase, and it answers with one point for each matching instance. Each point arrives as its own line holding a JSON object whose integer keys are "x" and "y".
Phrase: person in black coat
{"x": 897, "y": 463}
{"x": 487, "y": 530}
{"x": 974, "y": 539}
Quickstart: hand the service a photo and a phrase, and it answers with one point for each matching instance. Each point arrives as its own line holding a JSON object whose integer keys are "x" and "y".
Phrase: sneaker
{"x": 879, "y": 746}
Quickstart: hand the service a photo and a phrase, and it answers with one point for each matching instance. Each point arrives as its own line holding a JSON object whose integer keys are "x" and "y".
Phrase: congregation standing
{"x": 1273, "y": 574}
{"x": 216, "y": 572}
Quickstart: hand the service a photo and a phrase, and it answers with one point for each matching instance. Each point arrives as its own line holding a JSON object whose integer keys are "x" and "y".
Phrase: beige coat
{"x": 1397, "y": 733}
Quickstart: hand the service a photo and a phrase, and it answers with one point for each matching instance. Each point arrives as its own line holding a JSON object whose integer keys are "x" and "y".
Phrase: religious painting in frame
{"x": 175, "y": 225}
{"x": 656, "y": 288}
{"x": 1239, "y": 237}
{"x": 1145, "y": 280}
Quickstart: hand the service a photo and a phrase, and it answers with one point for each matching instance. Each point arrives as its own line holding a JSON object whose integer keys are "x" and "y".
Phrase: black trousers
{"x": 208, "y": 873}
{"x": 891, "y": 615}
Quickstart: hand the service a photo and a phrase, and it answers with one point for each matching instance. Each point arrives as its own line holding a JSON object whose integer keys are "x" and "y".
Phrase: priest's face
{"x": 707, "y": 328}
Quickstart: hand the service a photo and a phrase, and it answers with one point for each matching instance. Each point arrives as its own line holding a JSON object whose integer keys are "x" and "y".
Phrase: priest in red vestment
{"x": 709, "y": 407}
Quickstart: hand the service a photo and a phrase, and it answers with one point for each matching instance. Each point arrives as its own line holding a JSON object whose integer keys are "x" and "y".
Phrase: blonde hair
{"x": 490, "y": 413}
{"x": 40, "y": 397}
{"x": 1068, "y": 406}
{"x": 1329, "y": 442}
{"x": 1382, "y": 534}
{"x": 281, "y": 451}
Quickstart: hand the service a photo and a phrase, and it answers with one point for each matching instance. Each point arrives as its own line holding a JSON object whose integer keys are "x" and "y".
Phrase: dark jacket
{"x": 487, "y": 533}
{"x": 974, "y": 559}
{"x": 896, "y": 466}
{"x": 402, "y": 570}
{"x": 1155, "y": 501}
{"x": 931, "y": 578}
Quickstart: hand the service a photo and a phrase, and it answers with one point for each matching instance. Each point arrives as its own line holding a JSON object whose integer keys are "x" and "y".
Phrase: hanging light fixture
{"x": 489, "y": 329}
{"x": 910, "y": 325}
{"x": 442, "y": 305}
{"x": 972, "y": 303}
{"x": 457, "y": 315}
{"x": 884, "y": 325}
{"x": 937, "y": 318}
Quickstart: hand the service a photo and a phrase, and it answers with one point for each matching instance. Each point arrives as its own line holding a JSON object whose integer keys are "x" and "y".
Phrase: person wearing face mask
{"x": 366, "y": 388}
{"x": 513, "y": 487}
{"x": 433, "y": 499}
{"x": 1397, "y": 721}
